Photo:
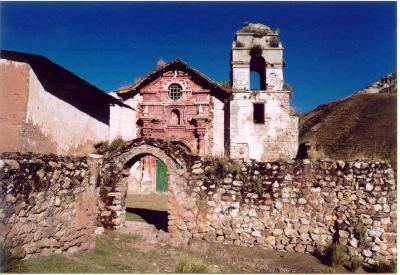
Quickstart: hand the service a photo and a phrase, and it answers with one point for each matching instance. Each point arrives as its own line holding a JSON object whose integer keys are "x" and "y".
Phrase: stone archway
{"x": 182, "y": 208}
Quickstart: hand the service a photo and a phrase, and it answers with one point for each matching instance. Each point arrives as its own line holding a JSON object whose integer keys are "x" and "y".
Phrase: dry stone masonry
{"x": 48, "y": 204}
{"x": 300, "y": 206}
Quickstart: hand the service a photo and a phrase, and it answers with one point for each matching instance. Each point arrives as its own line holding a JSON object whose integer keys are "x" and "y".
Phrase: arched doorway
{"x": 147, "y": 197}
{"x": 182, "y": 209}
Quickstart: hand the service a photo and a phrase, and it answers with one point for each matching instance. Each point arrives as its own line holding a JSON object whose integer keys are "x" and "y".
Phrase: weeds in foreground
{"x": 356, "y": 263}
{"x": 190, "y": 265}
{"x": 336, "y": 255}
{"x": 8, "y": 262}
{"x": 361, "y": 233}
{"x": 385, "y": 267}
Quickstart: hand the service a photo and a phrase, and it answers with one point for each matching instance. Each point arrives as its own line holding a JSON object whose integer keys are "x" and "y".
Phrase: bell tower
{"x": 262, "y": 126}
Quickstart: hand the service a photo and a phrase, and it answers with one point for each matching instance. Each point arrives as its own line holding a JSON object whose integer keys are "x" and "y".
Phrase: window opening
{"x": 259, "y": 113}
{"x": 175, "y": 91}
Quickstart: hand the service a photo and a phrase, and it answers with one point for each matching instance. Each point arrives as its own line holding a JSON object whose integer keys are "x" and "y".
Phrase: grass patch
{"x": 361, "y": 233}
{"x": 336, "y": 255}
{"x": 190, "y": 265}
{"x": 385, "y": 267}
{"x": 356, "y": 263}
{"x": 133, "y": 217}
{"x": 9, "y": 262}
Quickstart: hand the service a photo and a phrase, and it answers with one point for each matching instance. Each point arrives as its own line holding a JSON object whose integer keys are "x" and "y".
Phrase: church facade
{"x": 178, "y": 103}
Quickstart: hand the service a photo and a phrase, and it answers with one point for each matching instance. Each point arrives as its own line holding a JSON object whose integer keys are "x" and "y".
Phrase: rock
{"x": 277, "y": 232}
{"x": 211, "y": 203}
{"x": 278, "y": 205}
{"x": 288, "y": 177}
{"x": 306, "y": 161}
{"x": 256, "y": 233}
{"x": 18, "y": 252}
{"x": 302, "y": 201}
{"x": 353, "y": 242}
{"x": 376, "y": 248}
{"x": 369, "y": 187}
{"x": 341, "y": 163}
{"x": 377, "y": 207}
{"x": 227, "y": 180}
{"x": 344, "y": 234}
{"x": 13, "y": 164}
{"x": 197, "y": 171}
{"x": 10, "y": 198}
{"x": 196, "y": 165}
{"x": 304, "y": 237}
{"x": 357, "y": 165}
{"x": 235, "y": 204}
{"x": 367, "y": 253}
{"x": 252, "y": 213}
{"x": 237, "y": 183}
{"x": 288, "y": 232}
{"x": 40, "y": 173}
{"x": 300, "y": 248}
{"x": 304, "y": 221}
{"x": 270, "y": 240}
{"x": 233, "y": 212}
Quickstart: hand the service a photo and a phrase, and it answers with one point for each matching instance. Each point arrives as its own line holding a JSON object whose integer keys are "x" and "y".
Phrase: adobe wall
{"x": 48, "y": 204}
{"x": 298, "y": 206}
{"x": 276, "y": 139}
{"x": 13, "y": 101}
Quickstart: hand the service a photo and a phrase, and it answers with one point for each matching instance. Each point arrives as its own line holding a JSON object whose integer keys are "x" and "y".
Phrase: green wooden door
{"x": 161, "y": 177}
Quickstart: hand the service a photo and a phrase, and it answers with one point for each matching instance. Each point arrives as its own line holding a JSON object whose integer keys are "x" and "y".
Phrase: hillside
{"x": 362, "y": 126}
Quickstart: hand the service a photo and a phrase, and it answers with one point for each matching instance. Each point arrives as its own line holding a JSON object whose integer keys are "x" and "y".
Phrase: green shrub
{"x": 115, "y": 144}
{"x": 8, "y": 262}
{"x": 190, "y": 265}
{"x": 336, "y": 254}
{"x": 103, "y": 191}
{"x": 361, "y": 233}
{"x": 274, "y": 42}
{"x": 385, "y": 267}
{"x": 256, "y": 184}
{"x": 101, "y": 147}
{"x": 356, "y": 263}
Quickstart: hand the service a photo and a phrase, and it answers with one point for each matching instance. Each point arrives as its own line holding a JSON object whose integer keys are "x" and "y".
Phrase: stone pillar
{"x": 147, "y": 126}
{"x": 201, "y": 130}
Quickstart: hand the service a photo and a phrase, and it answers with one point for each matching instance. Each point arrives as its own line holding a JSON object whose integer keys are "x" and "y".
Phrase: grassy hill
{"x": 362, "y": 126}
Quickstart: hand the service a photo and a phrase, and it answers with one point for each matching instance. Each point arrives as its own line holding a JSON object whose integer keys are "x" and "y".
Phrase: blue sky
{"x": 332, "y": 49}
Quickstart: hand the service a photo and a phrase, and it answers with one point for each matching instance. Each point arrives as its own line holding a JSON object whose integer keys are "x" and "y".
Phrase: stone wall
{"x": 299, "y": 206}
{"x": 48, "y": 204}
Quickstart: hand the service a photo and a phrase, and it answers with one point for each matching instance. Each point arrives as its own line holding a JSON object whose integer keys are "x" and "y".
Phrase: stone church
{"x": 174, "y": 102}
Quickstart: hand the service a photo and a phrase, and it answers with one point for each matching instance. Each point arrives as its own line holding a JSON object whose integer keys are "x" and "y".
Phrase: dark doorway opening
{"x": 156, "y": 217}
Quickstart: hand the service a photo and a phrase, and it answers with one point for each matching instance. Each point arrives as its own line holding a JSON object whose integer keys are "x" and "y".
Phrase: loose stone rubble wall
{"x": 300, "y": 205}
{"x": 48, "y": 204}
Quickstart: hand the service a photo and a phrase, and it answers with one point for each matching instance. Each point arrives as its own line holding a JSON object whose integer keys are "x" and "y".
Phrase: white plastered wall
{"x": 275, "y": 139}
{"x": 218, "y": 126}
{"x": 66, "y": 125}
{"x": 123, "y": 121}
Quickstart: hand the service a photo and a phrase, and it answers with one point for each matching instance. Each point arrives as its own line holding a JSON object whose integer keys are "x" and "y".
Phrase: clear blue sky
{"x": 332, "y": 49}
